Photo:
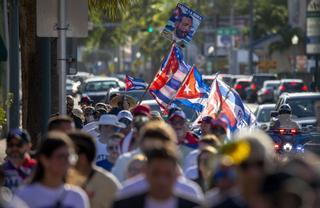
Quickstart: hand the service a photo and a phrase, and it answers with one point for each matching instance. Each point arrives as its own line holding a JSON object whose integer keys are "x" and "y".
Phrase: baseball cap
{"x": 110, "y": 120}
{"x": 219, "y": 123}
{"x": 177, "y": 113}
{"x": 143, "y": 110}
{"x": 86, "y": 100}
{"x": 125, "y": 114}
{"x": 19, "y": 134}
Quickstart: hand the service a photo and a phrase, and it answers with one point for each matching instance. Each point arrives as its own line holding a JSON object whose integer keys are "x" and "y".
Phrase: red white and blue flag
{"x": 194, "y": 92}
{"x": 168, "y": 80}
{"x": 135, "y": 83}
{"x": 226, "y": 104}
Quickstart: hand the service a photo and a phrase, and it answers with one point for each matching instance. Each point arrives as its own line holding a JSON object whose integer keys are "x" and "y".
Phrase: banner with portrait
{"x": 182, "y": 25}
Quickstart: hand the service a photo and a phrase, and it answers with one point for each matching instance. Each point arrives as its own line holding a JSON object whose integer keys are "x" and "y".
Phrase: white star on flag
{"x": 187, "y": 89}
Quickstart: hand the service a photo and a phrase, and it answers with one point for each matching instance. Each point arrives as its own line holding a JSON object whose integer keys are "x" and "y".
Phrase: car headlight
{"x": 287, "y": 147}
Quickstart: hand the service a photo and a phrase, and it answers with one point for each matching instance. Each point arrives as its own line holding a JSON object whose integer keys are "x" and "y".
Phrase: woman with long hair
{"x": 47, "y": 187}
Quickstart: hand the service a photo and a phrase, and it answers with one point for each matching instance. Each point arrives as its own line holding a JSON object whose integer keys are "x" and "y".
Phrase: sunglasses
{"x": 252, "y": 164}
{"x": 18, "y": 145}
{"x": 113, "y": 148}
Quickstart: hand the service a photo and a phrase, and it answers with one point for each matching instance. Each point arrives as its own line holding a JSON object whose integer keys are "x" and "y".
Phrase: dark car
{"x": 302, "y": 105}
{"x": 290, "y": 86}
{"x": 240, "y": 86}
{"x": 136, "y": 94}
{"x": 257, "y": 81}
{"x": 266, "y": 93}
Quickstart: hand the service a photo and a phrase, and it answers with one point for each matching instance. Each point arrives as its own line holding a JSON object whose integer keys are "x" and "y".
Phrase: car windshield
{"x": 303, "y": 107}
{"x": 272, "y": 85}
{"x": 97, "y": 86}
{"x": 263, "y": 115}
{"x": 292, "y": 86}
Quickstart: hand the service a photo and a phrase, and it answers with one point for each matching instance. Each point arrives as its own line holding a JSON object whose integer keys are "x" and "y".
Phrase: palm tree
{"x": 32, "y": 75}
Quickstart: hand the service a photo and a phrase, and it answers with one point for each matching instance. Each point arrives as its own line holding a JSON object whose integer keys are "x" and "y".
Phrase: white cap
{"x": 125, "y": 114}
{"x": 111, "y": 120}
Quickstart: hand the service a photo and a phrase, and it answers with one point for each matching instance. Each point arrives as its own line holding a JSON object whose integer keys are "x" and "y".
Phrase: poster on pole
{"x": 182, "y": 25}
{"x": 313, "y": 28}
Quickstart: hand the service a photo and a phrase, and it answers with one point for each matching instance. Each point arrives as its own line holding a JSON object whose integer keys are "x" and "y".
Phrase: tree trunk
{"x": 31, "y": 72}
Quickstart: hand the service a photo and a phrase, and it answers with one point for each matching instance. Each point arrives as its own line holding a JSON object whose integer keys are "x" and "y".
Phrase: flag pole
{"x": 147, "y": 89}
{"x": 182, "y": 83}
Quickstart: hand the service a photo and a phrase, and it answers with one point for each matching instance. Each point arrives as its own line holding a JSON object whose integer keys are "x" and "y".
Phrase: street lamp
{"x": 210, "y": 50}
{"x": 138, "y": 55}
{"x": 295, "y": 42}
{"x": 116, "y": 59}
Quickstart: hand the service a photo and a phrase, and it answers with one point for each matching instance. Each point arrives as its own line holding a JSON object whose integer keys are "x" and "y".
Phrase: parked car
{"x": 96, "y": 88}
{"x": 290, "y": 86}
{"x": 240, "y": 86}
{"x": 257, "y": 81}
{"x": 263, "y": 115}
{"x": 266, "y": 93}
{"x": 302, "y": 105}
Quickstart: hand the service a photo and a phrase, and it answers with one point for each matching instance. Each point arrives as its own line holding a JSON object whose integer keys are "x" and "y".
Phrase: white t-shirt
{"x": 191, "y": 159}
{"x": 91, "y": 128}
{"x": 192, "y": 173}
{"x": 139, "y": 184}
{"x": 38, "y": 196}
{"x": 152, "y": 203}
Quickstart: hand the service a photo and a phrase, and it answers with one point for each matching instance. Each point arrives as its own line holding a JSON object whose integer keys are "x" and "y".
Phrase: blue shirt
{"x": 105, "y": 164}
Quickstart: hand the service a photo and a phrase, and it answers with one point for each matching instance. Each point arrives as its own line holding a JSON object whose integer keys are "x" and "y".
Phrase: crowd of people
{"x": 111, "y": 156}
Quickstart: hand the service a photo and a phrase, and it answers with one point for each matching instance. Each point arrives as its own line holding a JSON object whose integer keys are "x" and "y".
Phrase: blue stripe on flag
{"x": 161, "y": 96}
{"x": 174, "y": 84}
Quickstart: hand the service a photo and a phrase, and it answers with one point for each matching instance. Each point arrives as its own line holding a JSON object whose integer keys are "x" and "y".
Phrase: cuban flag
{"x": 226, "y": 104}
{"x": 194, "y": 92}
{"x": 170, "y": 77}
{"x": 135, "y": 83}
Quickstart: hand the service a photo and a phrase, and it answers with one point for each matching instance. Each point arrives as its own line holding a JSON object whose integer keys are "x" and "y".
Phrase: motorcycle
{"x": 288, "y": 141}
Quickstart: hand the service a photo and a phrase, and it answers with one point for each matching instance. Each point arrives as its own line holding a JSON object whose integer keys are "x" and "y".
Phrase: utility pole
{"x": 61, "y": 51}
{"x": 250, "y": 61}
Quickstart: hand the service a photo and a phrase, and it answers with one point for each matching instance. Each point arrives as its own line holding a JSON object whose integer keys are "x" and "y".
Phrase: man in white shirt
{"x": 108, "y": 125}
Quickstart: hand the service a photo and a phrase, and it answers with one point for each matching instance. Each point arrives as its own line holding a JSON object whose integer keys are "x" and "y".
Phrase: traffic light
{"x": 150, "y": 29}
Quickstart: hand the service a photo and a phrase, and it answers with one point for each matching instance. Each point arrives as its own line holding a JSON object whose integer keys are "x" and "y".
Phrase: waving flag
{"x": 194, "y": 92}
{"x": 170, "y": 77}
{"x": 135, "y": 84}
{"x": 225, "y": 103}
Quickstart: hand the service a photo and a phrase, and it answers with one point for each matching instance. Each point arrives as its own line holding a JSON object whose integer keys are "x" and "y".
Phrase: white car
{"x": 263, "y": 115}
{"x": 97, "y": 88}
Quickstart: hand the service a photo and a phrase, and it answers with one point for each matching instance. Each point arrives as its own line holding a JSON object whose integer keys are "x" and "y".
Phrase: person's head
{"x": 18, "y": 144}
{"x": 55, "y": 155}
{"x": 70, "y": 104}
{"x": 205, "y": 125}
{"x": 113, "y": 146}
{"x": 61, "y": 123}
{"x": 178, "y": 121}
{"x": 156, "y": 133}
{"x": 161, "y": 171}
{"x": 99, "y": 112}
{"x": 85, "y": 101}
{"x": 101, "y": 105}
{"x": 155, "y": 115}
{"x": 210, "y": 140}
{"x": 218, "y": 127}
{"x": 224, "y": 176}
{"x": 285, "y": 109}
{"x": 108, "y": 125}
{"x": 259, "y": 161}
{"x": 126, "y": 118}
{"x": 136, "y": 166}
{"x": 89, "y": 112}
{"x": 85, "y": 147}
{"x": 205, "y": 162}
{"x": 183, "y": 26}
{"x": 79, "y": 113}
